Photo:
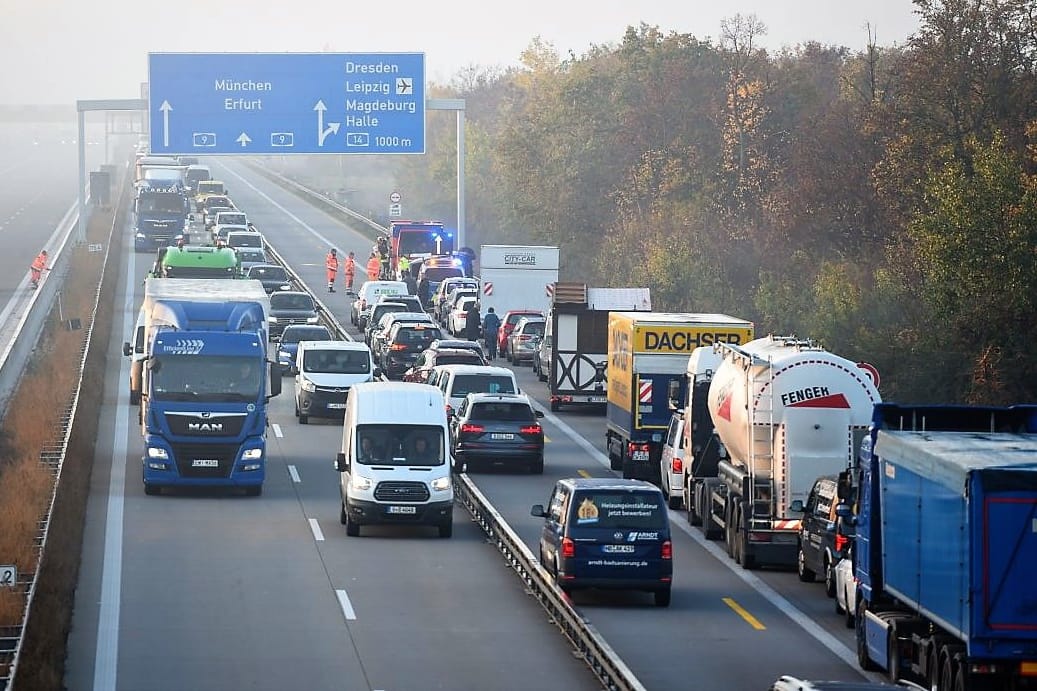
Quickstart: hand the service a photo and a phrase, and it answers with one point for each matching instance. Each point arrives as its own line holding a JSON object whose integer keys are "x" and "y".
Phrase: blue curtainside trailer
{"x": 946, "y": 551}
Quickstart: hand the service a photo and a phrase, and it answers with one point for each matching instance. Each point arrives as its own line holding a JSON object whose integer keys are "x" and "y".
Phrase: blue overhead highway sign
{"x": 284, "y": 103}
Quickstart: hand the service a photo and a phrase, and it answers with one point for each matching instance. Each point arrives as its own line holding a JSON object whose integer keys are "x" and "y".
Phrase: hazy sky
{"x": 57, "y": 51}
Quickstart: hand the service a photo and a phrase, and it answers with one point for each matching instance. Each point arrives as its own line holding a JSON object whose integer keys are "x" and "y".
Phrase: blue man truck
{"x": 161, "y": 211}
{"x": 207, "y": 381}
{"x": 946, "y": 546}
{"x": 647, "y": 357}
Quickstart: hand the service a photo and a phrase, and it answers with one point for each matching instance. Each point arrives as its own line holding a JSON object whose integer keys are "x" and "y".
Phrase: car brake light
{"x": 524, "y": 337}
{"x": 472, "y": 429}
{"x": 568, "y": 547}
{"x": 678, "y": 466}
{"x": 635, "y": 446}
{"x": 667, "y": 550}
{"x": 840, "y": 542}
{"x": 449, "y": 410}
{"x": 398, "y": 346}
{"x": 531, "y": 429}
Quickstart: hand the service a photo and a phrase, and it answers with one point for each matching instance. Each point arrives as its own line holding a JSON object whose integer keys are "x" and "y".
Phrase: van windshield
{"x": 337, "y": 361}
{"x": 412, "y": 445}
{"x": 623, "y": 510}
{"x": 465, "y": 384}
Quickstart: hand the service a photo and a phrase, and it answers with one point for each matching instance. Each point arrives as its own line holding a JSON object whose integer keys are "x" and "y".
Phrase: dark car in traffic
{"x": 497, "y": 429}
{"x": 823, "y": 540}
{"x": 444, "y": 352}
{"x": 272, "y": 276}
{"x": 288, "y": 344}
{"x": 290, "y": 307}
{"x": 404, "y": 343}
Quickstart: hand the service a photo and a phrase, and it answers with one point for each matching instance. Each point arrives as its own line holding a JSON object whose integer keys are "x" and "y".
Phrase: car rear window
{"x": 465, "y": 384}
{"x": 509, "y": 412}
{"x": 414, "y": 336}
{"x": 513, "y": 319}
{"x": 268, "y": 273}
{"x": 317, "y": 333}
{"x": 459, "y": 359}
{"x": 533, "y": 329}
{"x": 291, "y": 302}
{"x": 624, "y": 510}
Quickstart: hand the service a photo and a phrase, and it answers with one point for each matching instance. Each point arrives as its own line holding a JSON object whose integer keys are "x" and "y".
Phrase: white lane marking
{"x": 805, "y": 622}
{"x": 106, "y": 655}
{"x": 294, "y": 473}
{"x": 315, "y": 529}
{"x": 277, "y": 430}
{"x": 345, "y": 604}
{"x": 288, "y": 213}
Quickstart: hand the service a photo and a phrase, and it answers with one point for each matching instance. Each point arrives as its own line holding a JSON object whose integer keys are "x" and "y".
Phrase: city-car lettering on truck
{"x": 520, "y": 259}
{"x": 680, "y": 340}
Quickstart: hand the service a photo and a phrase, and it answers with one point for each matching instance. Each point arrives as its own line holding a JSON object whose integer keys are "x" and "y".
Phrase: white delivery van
{"x": 394, "y": 465}
{"x": 327, "y": 370}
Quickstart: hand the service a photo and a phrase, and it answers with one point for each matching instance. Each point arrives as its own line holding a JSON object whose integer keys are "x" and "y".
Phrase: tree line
{"x": 882, "y": 201}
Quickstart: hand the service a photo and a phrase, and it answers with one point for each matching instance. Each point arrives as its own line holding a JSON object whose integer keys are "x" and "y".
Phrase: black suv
{"x": 497, "y": 428}
{"x": 379, "y": 309}
{"x": 403, "y": 344}
{"x": 290, "y": 307}
{"x": 822, "y": 539}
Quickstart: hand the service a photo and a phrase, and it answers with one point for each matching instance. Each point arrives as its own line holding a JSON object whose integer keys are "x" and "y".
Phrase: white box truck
{"x": 516, "y": 277}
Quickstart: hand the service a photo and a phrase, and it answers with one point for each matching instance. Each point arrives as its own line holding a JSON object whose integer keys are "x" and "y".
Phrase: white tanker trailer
{"x": 785, "y": 412}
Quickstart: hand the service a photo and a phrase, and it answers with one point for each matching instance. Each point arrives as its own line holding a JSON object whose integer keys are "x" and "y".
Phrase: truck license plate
{"x": 402, "y": 509}
{"x": 336, "y": 406}
{"x": 205, "y": 463}
{"x": 595, "y": 399}
{"x": 640, "y": 456}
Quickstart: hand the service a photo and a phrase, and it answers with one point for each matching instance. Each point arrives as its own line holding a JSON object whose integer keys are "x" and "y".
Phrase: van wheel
{"x": 352, "y": 527}
{"x": 829, "y": 577}
{"x": 446, "y": 529}
{"x": 804, "y": 572}
{"x": 662, "y": 598}
{"x": 304, "y": 419}
{"x": 342, "y": 518}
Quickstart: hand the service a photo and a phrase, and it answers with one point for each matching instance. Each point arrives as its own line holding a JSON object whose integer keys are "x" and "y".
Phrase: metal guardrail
{"x": 606, "y": 665}
{"x": 54, "y": 452}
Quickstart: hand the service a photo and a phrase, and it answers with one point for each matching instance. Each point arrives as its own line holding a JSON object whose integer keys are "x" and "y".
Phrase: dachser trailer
{"x": 647, "y": 358}
{"x": 946, "y": 546}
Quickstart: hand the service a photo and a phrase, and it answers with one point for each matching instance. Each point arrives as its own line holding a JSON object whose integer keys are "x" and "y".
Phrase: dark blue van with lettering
{"x": 607, "y": 533}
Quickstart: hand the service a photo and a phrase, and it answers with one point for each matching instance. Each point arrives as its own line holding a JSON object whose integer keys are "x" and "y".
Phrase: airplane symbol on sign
{"x": 404, "y": 86}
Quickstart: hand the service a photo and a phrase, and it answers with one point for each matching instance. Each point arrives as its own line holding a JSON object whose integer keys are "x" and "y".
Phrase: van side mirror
{"x": 127, "y": 349}
{"x": 538, "y": 511}
{"x": 844, "y": 487}
{"x": 797, "y": 506}
{"x": 341, "y": 464}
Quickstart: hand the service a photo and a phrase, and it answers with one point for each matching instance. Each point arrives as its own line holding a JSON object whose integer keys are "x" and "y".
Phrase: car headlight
{"x": 307, "y": 385}
{"x": 157, "y": 452}
{"x": 140, "y": 235}
{"x": 273, "y": 320}
{"x": 312, "y": 320}
{"x": 441, "y": 484}
{"x": 251, "y": 454}
{"x": 360, "y": 483}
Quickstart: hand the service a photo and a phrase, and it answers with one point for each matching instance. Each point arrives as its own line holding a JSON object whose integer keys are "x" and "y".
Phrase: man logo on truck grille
{"x": 211, "y": 427}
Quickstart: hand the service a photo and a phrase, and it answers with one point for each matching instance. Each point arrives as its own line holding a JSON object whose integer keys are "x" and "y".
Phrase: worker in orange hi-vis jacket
{"x": 350, "y": 271}
{"x": 331, "y": 264}
{"x": 38, "y": 266}
{"x": 374, "y": 267}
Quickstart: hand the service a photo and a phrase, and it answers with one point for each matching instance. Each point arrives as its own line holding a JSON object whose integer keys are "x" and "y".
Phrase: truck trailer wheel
{"x": 711, "y": 530}
{"x": 863, "y": 659}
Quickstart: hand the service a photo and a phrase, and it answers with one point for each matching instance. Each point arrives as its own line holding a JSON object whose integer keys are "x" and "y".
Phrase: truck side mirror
{"x": 538, "y": 511}
{"x": 797, "y": 506}
{"x": 127, "y": 349}
{"x": 275, "y": 379}
{"x": 844, "y": 486}
{"x": 845, "y": 512}
{"x": 341, "y": 464}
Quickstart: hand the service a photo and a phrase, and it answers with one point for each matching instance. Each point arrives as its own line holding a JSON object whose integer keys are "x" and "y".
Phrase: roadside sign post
{"x": 286, "y": 103}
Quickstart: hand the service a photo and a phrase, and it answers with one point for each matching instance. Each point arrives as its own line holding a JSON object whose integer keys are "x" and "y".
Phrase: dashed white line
{"x": 277, "y": 430}
{"x": 294, "y": 473}
{"x": 346, "y": 605}
{"x": 315, "y": 529}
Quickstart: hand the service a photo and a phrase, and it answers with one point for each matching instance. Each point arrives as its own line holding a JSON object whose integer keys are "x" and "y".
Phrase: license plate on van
{"x": 639, "y": 456}
{"x": 336, "y": 406}
{"x": 618, "y": 549}
{"x": 402, "y": 509}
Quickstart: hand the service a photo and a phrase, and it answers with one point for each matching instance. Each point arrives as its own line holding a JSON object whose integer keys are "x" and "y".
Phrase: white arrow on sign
{"x": 243, "y": 139}
{"x": 165, "y": 108}
{"x": 322, "y": 132}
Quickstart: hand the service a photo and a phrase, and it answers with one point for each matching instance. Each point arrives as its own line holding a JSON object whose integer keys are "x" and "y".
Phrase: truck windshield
{"x": 206, "y": 378}
{"x": 438, "y": 273}
{"x": 399, "y": 445}
{"x": 422, "y": 242}
{"x": 161, "y": 203}
{"x": 200, "y": 271}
